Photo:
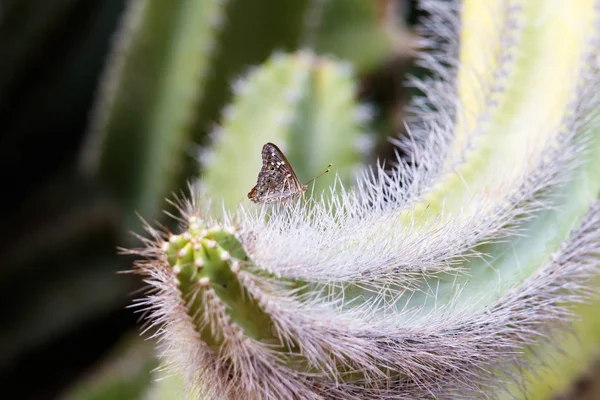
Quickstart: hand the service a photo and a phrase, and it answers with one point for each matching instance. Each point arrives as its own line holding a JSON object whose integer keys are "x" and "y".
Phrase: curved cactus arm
{"x": 244, "y": 316}
{"x": 402, "y": 287}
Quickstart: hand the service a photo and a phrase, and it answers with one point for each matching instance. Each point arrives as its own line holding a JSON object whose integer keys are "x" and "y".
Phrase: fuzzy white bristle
{"x": 225, "y": 256}
{"x": 204, "y": 282}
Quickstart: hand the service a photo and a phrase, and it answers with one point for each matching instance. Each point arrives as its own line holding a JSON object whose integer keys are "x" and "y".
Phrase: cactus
{"x": 148, "y": 98}
{"x": 441, "y": 277}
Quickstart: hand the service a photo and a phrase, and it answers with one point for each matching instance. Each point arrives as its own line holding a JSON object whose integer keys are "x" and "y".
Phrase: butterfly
{"x": 277, "y": 181}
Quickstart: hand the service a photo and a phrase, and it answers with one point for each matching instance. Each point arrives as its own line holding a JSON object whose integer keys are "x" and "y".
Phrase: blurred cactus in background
{"x": 457, "y": 260}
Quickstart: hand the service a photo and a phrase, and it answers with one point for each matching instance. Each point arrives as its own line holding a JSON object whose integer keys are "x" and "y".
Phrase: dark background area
{"x": 57, "y": 230}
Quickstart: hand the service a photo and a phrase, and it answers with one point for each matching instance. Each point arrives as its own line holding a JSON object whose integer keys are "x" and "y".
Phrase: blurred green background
{"x": 69, "y": 202}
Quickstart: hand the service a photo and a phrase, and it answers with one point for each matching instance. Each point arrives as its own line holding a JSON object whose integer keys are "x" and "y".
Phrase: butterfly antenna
{"x": 326, "y": 170}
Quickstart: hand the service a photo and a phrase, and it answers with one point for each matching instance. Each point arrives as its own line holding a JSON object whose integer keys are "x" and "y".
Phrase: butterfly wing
{"x": 277, "y": 180}
{"x": 274, "y": 157}
{"x": 253, "y": 193}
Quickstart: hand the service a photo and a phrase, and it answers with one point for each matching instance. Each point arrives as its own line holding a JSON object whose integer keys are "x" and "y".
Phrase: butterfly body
{"x": 277, "y": 181}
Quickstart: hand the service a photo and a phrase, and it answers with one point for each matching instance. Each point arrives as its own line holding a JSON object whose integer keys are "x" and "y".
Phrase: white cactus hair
{"x": 357, "y": 311}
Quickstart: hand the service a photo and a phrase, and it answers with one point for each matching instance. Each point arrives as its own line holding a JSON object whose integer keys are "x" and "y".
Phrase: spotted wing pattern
{"x": 276, "y": 181}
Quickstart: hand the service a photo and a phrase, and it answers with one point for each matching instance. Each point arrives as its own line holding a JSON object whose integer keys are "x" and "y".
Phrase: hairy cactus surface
{"x": 449, "y": 273}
